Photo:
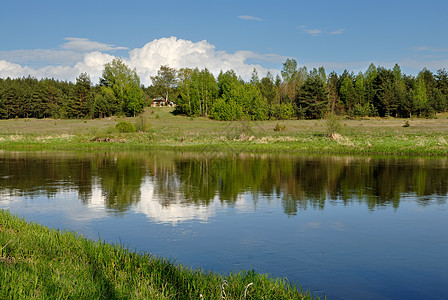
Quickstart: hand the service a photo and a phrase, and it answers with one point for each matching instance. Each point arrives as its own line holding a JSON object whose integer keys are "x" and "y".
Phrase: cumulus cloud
{"x": 176, "y": 53}
{"x": 179, "y": 53}
{"x": 93, "y": 64}
{"x": 250, "y": 18}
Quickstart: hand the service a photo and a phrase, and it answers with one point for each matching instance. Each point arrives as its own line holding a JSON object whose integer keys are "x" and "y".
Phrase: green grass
{"x": 370, "y": 136}
{"x": 41, "y": 263}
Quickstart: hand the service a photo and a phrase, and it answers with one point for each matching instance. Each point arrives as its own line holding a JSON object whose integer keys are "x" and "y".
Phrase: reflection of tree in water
{"x": 32, "y": 174}
{"x": 120, "y": 178}
{"x": 199, "y": 179}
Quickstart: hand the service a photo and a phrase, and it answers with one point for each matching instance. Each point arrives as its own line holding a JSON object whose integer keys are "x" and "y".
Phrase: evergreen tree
{"x": 312, "y": 100}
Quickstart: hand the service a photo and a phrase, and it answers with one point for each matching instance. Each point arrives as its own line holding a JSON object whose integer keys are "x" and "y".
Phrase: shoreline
{"x": 39, "y": 262}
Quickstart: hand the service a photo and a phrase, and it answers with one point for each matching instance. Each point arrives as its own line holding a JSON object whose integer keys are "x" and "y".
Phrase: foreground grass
{"x": 370, "y": 136}
{"x": 41, "y": 263}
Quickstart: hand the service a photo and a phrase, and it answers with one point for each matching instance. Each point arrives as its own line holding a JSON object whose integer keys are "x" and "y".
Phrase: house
{"x": 160, "y": 101}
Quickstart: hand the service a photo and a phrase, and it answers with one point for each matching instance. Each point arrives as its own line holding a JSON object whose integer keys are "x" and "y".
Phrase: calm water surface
{"x": 349, "y": 227}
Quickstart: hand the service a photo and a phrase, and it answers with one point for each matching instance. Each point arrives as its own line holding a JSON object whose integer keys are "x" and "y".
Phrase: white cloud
{"x": 313, "y": 32}
{"x": 337, "y": 32}
{"x": 250, "y": 18}
{"x": 176, "y": 53}
{"x": 319, "y": 32}
{"x": 85, "y": 45}
{"x": 429, "y": 49}
{"x": 93, "y": 64}
{"x": 179, "y": 53}
{"x": 41, "y": 56}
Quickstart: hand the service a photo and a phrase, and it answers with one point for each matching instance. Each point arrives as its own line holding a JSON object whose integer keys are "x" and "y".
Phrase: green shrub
{"x": 279, "y": 127}
{"x": 124, "y": 126}
{"x": 142, "y": 124}
{"x": 333, "y": 123}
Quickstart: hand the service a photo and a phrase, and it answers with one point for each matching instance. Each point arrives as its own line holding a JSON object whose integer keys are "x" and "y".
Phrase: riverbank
{"x": 163, "y": 130}
{"x": 41, "y": 263}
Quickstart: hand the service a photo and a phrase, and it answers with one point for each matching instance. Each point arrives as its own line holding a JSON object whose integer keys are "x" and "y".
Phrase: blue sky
{"x": 62, "y": 38}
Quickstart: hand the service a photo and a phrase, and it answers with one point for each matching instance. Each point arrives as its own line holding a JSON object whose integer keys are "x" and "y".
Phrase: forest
{"x": 296, "y": 93}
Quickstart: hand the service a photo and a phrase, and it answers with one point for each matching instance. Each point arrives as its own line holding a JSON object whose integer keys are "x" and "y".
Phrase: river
{"x": 346, "y": 227}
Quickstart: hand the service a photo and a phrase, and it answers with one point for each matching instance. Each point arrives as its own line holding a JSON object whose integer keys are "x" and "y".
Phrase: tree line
{"x": 118, "y": 93}
{"x": 295, "y": 93}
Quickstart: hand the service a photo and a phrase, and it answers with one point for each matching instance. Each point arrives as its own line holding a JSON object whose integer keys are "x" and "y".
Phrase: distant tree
{"x": 185, "y": 97}
{"x": 293, "y": 78}
{"x": 82, "y": 97}
{"x": 429, "y": 80}
{"x": 334, "y": 104}
{"x": 124, "y": 84}
{"x": 347, "y": 93}
{"x": 289, "y": 70}
{"x": 420, "y": 96}
{"x": 165, "y": 82}
{"x": 268, "y": 89}
{"x": 254, "y": 79}
{"x": 442, "y": 85}
{"x": 312, "y": 100}
{"x": 227, "y": 81}
{"x": 369, "y": 80}
{"x": 436, "y": 101}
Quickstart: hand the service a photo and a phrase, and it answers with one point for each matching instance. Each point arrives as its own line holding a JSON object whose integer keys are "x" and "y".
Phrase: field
{"x": 163, "y": 130}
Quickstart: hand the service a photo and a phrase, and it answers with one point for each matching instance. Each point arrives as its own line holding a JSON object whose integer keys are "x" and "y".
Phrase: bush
{"x": 141, "y": 124}
{"x": 333, "y": 124}
{"x": 279, "y": 127}
{"x": 124, "y": 126}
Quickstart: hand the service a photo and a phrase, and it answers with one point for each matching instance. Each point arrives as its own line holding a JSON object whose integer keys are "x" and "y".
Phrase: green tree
{"x": 437, "y": 101}
{"x": 268, "y": 89}
{"x": 369, "y": 81}
{"x": 429, "y": 80}
{"x": 312, "y": 100}
{"x": 255, "y": 79}
{"x": 347, "y": 92}
{"x": 82, "y": 97}
{"x": 184, "y": 99}
{"x": 289, "y": 70}
{"x": 165, "y": 82}
{"x": 420, "y": 96}
{"x": 293, "y": 78}
{"x": 124, "y": 84}
{"x": 442, "y": 85}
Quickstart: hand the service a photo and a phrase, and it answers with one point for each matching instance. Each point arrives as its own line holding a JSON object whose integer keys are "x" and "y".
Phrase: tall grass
{"x": 41, "y": 263}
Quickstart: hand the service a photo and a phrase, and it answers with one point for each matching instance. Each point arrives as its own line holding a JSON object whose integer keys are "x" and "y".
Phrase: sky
{"x": 61, "y": 39}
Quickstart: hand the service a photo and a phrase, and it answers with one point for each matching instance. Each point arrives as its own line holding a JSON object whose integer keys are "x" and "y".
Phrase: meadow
{"x": 161, "y": 129}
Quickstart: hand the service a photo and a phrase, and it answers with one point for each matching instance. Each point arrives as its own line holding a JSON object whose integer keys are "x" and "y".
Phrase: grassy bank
{"x": 41, "y": 263}
{"x": 369, "y": 136}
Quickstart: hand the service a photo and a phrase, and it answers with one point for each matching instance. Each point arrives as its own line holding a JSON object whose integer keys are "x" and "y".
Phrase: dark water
{"x": 349, "y": 227}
